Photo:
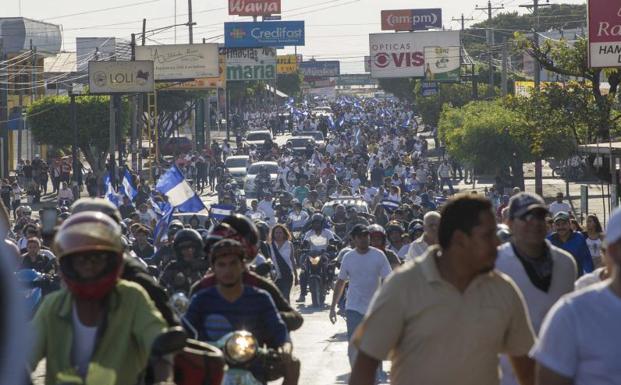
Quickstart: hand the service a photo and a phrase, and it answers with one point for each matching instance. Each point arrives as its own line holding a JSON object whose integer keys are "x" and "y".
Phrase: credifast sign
{"x": 411, "y": 19}
{"x": 604, "y": 33}
{"x": 254, "y": 7}
{"x": 402, "y": 55}
{"x": 263, "y": 34}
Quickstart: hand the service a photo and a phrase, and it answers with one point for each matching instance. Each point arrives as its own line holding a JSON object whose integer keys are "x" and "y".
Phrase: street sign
{"x": 287, "y": 64}
{"x": 429, "y": 88}
{"x": 250, "y": 63}
{"x": 254, "y": 7}
{"x": 604, "y": 18}
{"x": 443, "y": 64}
{"x": 411, "y": 19}
{"x": 109, "y": 77}
{"x": 263, "y": 34}
{"x": 181, "y": 61}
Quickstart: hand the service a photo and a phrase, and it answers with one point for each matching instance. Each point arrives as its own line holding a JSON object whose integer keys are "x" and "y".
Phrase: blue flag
{"x": 389, "y": 205}
{"x": 219, "y": 212}
{"x": 331, "y": 122}
{"x": 111, "y": 194}
{"x": 161, "y": 227}
{"x": 180, "y": 194}
{"x": 127, "y": 187}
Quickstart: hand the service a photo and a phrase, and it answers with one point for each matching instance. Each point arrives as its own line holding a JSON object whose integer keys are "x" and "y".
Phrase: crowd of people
{"x": 469, "y": 281}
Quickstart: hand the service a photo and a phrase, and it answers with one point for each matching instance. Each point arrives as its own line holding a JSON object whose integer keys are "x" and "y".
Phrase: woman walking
{"x": 284, "y": 261}
{"x": 594, "y": 235}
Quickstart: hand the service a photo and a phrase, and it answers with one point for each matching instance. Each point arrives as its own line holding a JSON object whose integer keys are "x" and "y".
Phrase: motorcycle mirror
{"x": 171, "y": 341}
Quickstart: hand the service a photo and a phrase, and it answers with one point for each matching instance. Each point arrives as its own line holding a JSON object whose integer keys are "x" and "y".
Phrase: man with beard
{"x": 450, "y": 310}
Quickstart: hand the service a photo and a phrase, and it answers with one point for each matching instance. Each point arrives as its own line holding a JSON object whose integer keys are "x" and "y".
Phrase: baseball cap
{"x": 523, "y": 203}
{"x": 562, "y": 216}
{"x": 358, "y": 230}
{"x": 613, "y": 231}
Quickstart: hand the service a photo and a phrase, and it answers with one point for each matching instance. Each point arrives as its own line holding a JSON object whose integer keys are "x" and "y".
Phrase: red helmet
{"x": 241, "y": 229}
{"x": 85, "y": 232}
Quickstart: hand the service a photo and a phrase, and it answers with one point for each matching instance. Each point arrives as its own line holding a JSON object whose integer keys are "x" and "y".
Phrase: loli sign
{"x": 254, "y": 7}
{"x": 604, "y": 33}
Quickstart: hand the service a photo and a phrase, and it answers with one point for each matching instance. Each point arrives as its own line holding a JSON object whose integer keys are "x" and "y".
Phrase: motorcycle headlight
{"x": 241, "y": 347}
{"x": 315, "y": 260}
{"x": 180, "y": 302}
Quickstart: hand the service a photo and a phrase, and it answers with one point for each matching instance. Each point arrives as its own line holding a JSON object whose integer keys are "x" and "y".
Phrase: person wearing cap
{"x": 580, "y": 339}
{"x": 165, "y": 251}
{"x": 431, "y": 221}
{"x": 571, "y": 241}
{"x": 447, "y": 317}
{"x": 558, "y": 205}
{"x": 542, "y": 272}
{"x": 142, "y": 247}
{"x": 297, "y": 217}
{"x": 364, "y": 267}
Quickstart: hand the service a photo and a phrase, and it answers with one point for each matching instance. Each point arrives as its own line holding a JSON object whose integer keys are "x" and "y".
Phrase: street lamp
{"x": 76, "y": 90}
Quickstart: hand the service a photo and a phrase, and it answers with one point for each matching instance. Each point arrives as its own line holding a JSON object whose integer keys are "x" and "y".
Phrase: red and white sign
{"x": 402, "y": 55}
{"x": 397, "y": 20}
{"x": 604, "y": 33}
{"x": 254, "y": 7}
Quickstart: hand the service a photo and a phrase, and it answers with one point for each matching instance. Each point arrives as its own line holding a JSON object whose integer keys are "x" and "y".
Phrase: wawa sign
{"x": 254, "y": 7}
{"x": 604, "y": 33}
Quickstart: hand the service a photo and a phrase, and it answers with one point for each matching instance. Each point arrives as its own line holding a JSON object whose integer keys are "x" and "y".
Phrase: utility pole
{"x": 4, "y": 113}
{"x": 463, "y": 21}
{"x": 505, "y": 63}
{"x": 490, "y": 43}
{"x": 538, "y": 162}
{"x": 144, "y": 31}
{"x": 133, "y": 114}
{"x": 190, "y": 22}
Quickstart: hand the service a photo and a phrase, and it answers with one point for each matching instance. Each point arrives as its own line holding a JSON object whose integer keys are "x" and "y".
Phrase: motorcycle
{"x": 319, "y": 264}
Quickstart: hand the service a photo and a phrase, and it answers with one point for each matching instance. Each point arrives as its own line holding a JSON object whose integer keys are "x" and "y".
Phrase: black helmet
{"x": 394, "y": 226}
{"x": 247, "y": 233}
{"x": 188, "y": 236}
{"x": 263, "y": 228}
{"x": 317, "y": 217}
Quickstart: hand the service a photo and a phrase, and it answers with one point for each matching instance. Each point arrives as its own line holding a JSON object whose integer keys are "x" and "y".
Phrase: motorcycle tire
{"x": 315, "y": 290}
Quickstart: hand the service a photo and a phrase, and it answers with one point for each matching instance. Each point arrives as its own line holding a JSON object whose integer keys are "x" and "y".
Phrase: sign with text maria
{"x": 411, "y": 19}
{"x": 109, "y": 77}
{"x": 604, "y": 33}
{"x": 250, "y": 63}
{"x": 287, "y": 64}
{"x": 443, "y": 64}
{"x": 263, "y": 34}
{"x": 314, "y": 70}
{"x": 402, "y": 55}
{"x": 181, "y": 61}
{"x": 254, "y": 7}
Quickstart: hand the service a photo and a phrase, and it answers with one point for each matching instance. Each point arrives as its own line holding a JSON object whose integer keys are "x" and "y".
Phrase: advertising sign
{"x": 429, "y": 88}
{"x": 401, "y": 55}
{"x": 442, "y": 64}
{"x": 604, "y": 33}
{"x": 287, "y": 64}
{"x": 109, "y": 77}
{"x": 356, "y": 80}
{"x": 250, "y": 64}
{"x": 253, "y": 7}
{"x": 181, "y": 61}
{"x": 263, "y": 34}
{"x": 202, "y": 83}
{"x": 313, "y": 69}
{"x": 411, "y": 19}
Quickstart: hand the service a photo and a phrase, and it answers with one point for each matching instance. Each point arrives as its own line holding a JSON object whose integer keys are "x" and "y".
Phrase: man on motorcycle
{"x": 96, "y": 313}
{"x": 254, "y": 212}
{"x": 377, "y": 236}
{"x": 297, "y": 217}
{"x": 189, "y": 265}
{"x": 34, "y": 259}
{"x": 231, "y": 305}
{"x": 166, "y": 252}
{"x": 395, "y": 231}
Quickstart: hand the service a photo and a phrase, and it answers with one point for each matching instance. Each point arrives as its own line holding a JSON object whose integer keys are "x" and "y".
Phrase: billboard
{"x": 181, "y": 61}
{"x": 254, "y": 7}
{"x": 287, "y": 64}
{"x": 203, "y": 83}
{"x": 109, "y": 77}
{"x": 250, "y": 63}
{"x": 442, "y": 64}
{"x": 604, "y": 17}
{"x": 263, "y": 34}
{"x": 401, "y": 55}
{"x": 411, "y": 19}
{"x": 356, "y": 80}
{"x": 313, "y": 69}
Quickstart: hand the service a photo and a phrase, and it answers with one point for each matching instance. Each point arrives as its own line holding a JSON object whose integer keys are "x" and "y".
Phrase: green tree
{"x": 50, "y": 120}
{"x": 402, "y": 88}
{"x": 452, "y": 94}
{"x": 290, "y": 84}
{"x": 174, "y": 109}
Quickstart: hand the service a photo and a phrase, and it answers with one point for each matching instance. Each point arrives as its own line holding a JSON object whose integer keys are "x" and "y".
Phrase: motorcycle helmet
{"x": 85, "y": 232}
{"x": 97, "y": 204}
{"x": 25, "y": 210}
{"x": 227, "y": 247}
{"x": 188, "y": 237}
{"x": 263, "y": 229}
{"x": 394, "y": 226}
{"x": 376, "y": 229}
{"x": 246, "y": 233}
{"x": 317, "y": 217}
{"x": 503, "y": 233}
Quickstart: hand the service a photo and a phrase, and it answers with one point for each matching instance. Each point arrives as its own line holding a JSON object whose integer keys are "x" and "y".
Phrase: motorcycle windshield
{"x": 318, "y": 242}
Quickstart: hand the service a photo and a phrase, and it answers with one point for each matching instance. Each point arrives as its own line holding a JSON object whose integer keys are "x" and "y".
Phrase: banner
{"x": 604, "y": 33}
{"x": 250, "y": 63}
{"x": 443, "y": 64}
{"x": 181, "y": 61}
{"x": 287, "y": 64}
{"x": 314, "y": 70}
{"x": 109, "y": 77}
{"x": 263, "y": 34}
{"x": 411, "y": 19}
{"x": 401, "y": 55}
{"x": 254, "y": 7}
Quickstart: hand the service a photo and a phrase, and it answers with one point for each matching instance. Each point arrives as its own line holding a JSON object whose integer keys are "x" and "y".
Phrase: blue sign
{"x": 423, "y": 19}
{"x": 429, "y": 88}
{"x": 314, "y": 69}
{"x": 263, "y": 34}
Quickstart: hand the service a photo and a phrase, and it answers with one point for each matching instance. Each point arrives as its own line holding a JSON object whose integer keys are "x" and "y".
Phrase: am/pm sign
{"x": 604, "y": 33}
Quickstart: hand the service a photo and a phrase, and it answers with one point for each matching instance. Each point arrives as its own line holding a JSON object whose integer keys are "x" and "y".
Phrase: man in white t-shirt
{"x": 559, "y": 205}
{"x": 364, "y": 267}
{"x": 580, "y": 339}
{"x": 542, "y": 271}
{"x": 431, "y": 223}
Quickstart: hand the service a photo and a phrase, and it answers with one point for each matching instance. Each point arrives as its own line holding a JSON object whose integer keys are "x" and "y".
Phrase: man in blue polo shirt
{"x": 571, "y": 241}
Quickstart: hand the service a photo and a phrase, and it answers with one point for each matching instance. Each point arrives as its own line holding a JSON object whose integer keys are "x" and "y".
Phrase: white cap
{"x": 613, "y": 231}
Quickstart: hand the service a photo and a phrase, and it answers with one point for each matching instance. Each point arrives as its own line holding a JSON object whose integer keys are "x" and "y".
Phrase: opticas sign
{"x": 254, "y": 7}
{"x": 263, "y": 34}
{"x": 411, "y": 19}
{"x": 604, "y": 33}
{"x": 398, "y": 55}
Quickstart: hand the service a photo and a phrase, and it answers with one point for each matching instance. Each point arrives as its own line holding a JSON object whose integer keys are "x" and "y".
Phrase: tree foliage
{"x": 174, "y": 109}
{"x": 402, "y": 88}
{"x": 290, "y": 84}
{"x": 50, "y": 119}
{"x": 452, "y": 94}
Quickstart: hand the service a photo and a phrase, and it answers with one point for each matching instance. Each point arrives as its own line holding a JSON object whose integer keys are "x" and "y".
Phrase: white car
{"x": 253, "y": 171}
{"x": 318, "y": 136}
{"x": 258, "y": 138}
{"x": 237, "y": 166}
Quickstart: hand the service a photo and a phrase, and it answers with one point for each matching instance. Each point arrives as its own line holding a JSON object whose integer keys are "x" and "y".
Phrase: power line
{"x": 102, "y": 10}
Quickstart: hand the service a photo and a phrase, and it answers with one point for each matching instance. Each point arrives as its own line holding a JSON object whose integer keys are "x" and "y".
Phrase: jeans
{"x": 447, "y": 180}
{"x": 353, "y": 319}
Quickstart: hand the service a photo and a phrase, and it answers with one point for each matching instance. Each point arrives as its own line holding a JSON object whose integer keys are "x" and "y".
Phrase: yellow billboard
{"x": 286, "y": 64}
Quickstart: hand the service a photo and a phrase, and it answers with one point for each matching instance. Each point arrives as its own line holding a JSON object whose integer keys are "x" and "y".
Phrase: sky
{"x": 335, "y": 29}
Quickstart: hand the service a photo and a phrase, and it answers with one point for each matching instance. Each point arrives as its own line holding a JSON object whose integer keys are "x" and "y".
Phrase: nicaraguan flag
{"x": 357, "y": 136}
{"x": 219, "y": 212}
{"x": 111, "y": 194}
{"x": 331, "y": 122}
{"x": 389, "y": 205}
{"x": 180, "y": 195}
{"x": 161, "y": 227}
{"x": 406, "y": 123}
{"x": 341, "y": 122}
{"x": 127, "y": 187}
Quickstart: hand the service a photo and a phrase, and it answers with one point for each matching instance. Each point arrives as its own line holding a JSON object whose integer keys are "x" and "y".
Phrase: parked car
{"x": 253, "y": 171}
{"x": 299, "y": 143}
{"x": 258, "y": 138}
{"x": 237, "y": 166}
{"x": 173, "y": 146}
